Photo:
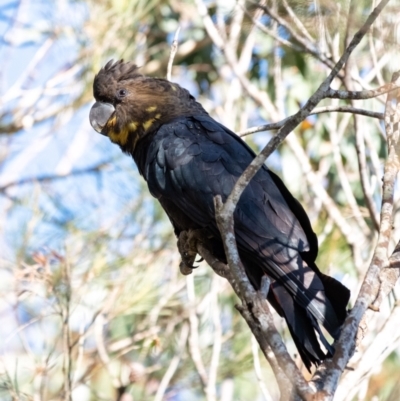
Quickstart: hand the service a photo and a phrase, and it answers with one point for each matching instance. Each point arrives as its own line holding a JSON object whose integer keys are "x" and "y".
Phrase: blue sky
{"x": 60, "y": 145}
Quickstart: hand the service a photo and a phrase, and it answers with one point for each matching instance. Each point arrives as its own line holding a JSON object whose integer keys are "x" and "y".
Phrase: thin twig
{"x": 348, "y": 109}
{"x": 194, "y": 347}
{"x": 375, "y": 161}
{"x": 246, "y": 55}
{"x": 343, "y": 178}
{"x": 378, "y": 71}
{"x": 364, "y": 174}
{"x": 79, "y": 359}
{"x": 297, "y": 22}
{"x": 257, "y": 369}
{"x": 217, "y": 38}
{"x": 307, "y": 45}
{"x": 352, "y": 236}
{"x": 174, "y": 49}
{"x": 162, "y": 388}
{"x": 364, "y": 94}
{"x": 53, "y": 177}
{"x": 273, "y": 34}
{"x": 30, "y": 68}
{"x": 280, "y": 88}
{"x": 235, "y": 26}
{"x": 318, "y": 110}
{"x": 67, "y": 363}
{"x": 217, "y": 342}
{"x": 360, "y": 145}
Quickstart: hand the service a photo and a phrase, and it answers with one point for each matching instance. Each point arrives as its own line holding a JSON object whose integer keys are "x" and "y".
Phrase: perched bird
{"x": 187, "y": 158}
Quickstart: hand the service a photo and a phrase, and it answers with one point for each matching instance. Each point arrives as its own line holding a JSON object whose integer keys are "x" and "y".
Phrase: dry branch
{"x": 318, "y": 110}
{"x": 327, "y": 379}
{"x": 254, "y": 307}
{"x": 174, "y": 49}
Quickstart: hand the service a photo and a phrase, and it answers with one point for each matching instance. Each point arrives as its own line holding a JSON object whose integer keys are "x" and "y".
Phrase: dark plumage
{"x": 187, "y": 158}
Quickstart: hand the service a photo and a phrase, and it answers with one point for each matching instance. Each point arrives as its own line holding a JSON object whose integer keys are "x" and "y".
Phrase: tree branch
{"x": 52, "y": 177}
{"x": 254, "y": 307}
{"x": 174, "y": 49}
{"x": 364, "y": 94}
{"x": 327, "y": 378}
{"x": 318, "y": 110}
{"x": 309, "y": 46}
{"x": 223, "y": 270}
{"x": 297, "y": 118}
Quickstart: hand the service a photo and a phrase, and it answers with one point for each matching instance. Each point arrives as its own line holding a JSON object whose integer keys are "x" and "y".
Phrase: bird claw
{"x": 187, "y": 246}
{"x": 185, "y": 269}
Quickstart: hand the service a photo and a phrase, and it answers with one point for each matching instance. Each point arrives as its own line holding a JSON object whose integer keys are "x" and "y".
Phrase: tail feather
{"x": 335, "y": 291}
{"x": 337, "y": 294}
{"x": 307, "y": 299}
{"x": 301, "y": 325}
{"x": 305, "y": 286}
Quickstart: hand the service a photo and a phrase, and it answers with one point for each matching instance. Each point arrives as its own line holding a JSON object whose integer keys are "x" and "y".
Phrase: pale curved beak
{"x": 99, "y": 115}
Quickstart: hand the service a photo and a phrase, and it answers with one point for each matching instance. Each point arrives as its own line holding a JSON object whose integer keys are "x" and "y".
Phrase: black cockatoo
{"x": 187, "y": 158}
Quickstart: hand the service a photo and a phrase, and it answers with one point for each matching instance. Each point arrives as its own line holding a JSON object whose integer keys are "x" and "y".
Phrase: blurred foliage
{"x": 92, "y": 301}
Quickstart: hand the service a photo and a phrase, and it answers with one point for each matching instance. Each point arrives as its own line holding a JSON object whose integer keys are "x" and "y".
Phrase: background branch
{"x": 247, "y": 63}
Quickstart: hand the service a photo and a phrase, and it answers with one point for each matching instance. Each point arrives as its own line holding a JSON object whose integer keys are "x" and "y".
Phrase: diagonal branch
{"x": 296, "y": 119}
{"x": 275, "y": 352}
{"x": 308, "y": 45}
{"x": 327, "y": 380}
{"x": 254, "y": 307}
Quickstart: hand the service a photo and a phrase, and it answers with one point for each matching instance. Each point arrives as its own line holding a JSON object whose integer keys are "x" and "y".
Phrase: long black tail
{"x": 327, "y": 307}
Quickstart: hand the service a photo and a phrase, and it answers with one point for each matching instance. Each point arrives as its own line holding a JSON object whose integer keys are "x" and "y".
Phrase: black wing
{"x": 191, "y": 160}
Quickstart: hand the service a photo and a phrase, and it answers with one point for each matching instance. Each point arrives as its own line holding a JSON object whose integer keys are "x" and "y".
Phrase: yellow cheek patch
{"x": 147, "y": 124}
{"x": 158, "y": 116}
{"x": 120, "y": 138}
{"x": 133, "y": 126}
{"x": 111, "y": 122}
{"x": 151, "y": 108}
